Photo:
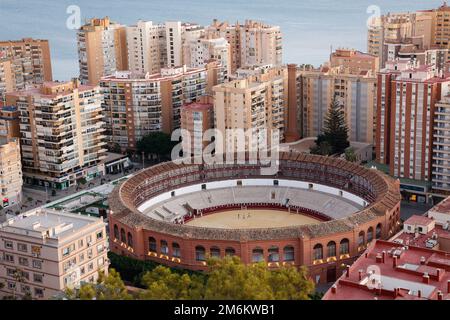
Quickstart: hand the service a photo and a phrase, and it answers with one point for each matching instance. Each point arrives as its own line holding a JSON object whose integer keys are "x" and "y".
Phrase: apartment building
{"x": 137, "y": 104}
{"x": 201, "y": 50}
{"x": 441, "y": 146}
{"x": 251, "y": 43}
{"x": 102, "y": 49}
{"x": 355, "y": 94}
{"x": 354, "y": 62}
{"x": 7, "y": 79}
{"x": 147, "y": 51}
{"x": 62, "y": 134}
{"x": 43, "y": 252}
{"x": 196, "y": 118}
{"x": 10, "y": 172}
{"x": 9, "y": 122}
{"x": 407, "y": 97}
{"x": 23, "y": 63}
{"x": 257, "y": 103}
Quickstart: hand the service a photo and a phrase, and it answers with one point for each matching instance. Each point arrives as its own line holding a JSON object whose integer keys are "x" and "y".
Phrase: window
{"x": 318, "y": 252}
{"x": 80, "y": 243}
{"x": 176, "y": 252}
{"x": 331, "y": 249}
{"x": 215, "y": 252}
{"x": 38, "y": 293}
{"x": 66, "y": 251}
{"x": 361, "y": 239}
{"x": 116, "y": 232}
{"x": 81, "y": 258}
{"x": 99, "y": 235}
{"x": 37, "y": 264}
{"x": 90, "y": 266}
{"x": 369, "y": 234}
{"x": 378, "y": 231}
{"x": 164, "y": 247}
{"x": 273, "y": 254}
{"x": 8, "y": 244}
{"x": 257, "y": 255}
{"x": 151, "y": 244}
{"x": 130, "y": 239}
{"x": 230, "y": 252}
{"x": 100, "y": 248}
{"x": 344, "y": 246}
{"x": 123, "y": 236}
{"x": 89, "y": 254}
{"x": 37, "y": 278}
{"x": 101, "y": 262}
{"x": 288, "y": 252}
{"x": 199, "y": 253}
{"x": 23, "y": 261}
{"x": 22, "y": 247}
{"x": 8, "y": 257}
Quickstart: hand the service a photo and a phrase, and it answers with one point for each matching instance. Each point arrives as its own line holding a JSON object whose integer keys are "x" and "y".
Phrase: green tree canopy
{"x": 156, "y": 143}
{"x": 335, "y": 133}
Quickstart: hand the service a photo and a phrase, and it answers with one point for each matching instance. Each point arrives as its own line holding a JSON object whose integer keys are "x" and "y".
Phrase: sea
{"x": 311, "y": 28}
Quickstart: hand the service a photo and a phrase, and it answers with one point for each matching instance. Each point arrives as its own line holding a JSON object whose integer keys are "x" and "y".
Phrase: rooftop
{"x": 419, "y": 220}
{"x": 388, "y": 271}
{"x": 47, "y": 223}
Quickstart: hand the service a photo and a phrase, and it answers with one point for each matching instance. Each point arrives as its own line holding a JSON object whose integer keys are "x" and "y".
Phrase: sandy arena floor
{"x": 251, "y": 218}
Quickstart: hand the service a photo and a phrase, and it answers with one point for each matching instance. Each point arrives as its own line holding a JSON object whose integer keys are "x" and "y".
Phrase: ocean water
{"x": 310, "y": 27}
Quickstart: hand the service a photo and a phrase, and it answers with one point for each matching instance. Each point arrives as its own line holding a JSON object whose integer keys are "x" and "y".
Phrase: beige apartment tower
{"x": 102, "y": 49}
{"x": 62, "y": 133}
{"x": 45, "y": 252}
{"x": 23, "y": 63}
{"x": 10, "y": 172}
{"x": 256, "y": 104}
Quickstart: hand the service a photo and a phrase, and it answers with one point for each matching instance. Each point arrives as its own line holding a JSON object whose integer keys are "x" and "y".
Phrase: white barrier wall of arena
{"x": 252, "y": 182}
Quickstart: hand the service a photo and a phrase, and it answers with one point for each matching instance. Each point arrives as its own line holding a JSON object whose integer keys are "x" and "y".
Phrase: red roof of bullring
{"x": 388, "y": 271}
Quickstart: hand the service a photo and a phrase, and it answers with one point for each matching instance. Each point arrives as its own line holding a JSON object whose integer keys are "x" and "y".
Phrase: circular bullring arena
{"x": 320, "y": 212}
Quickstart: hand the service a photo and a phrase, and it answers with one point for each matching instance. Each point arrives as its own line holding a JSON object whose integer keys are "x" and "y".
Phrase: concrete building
{"x": 23, "y": 63}
{"x": 354, "y": 62}
{"x": 137, "y": 104}
{"x": 102, "y": 49}
{"x": 256, "y": 103}
{"x": 441, "y": 146}
{"x": 356, "y": 94}
{"x": 196, "y": 118}
{"x": 9, "y": 122}
{"x": 147, "y": 51}
{"x": 50, "y": 251}
{"x": 10, "y": 172}
{"x": 407, "y": 97}
{"x": 62, "y": 134}
{"x": 199, "y": 51}
{"x": 389, "y": 271}
{"x": 251, "y": 43}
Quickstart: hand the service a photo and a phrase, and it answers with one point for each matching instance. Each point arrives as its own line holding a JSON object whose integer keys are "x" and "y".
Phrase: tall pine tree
{"x": 335, "y": 133}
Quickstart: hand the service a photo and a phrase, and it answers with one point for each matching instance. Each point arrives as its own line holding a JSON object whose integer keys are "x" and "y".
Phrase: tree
{"x": 156, "y": 143}
{"x": 110, "y": 287}
{"x": 350, "y": 155}
{"x": 163, "y": 284}
{"x": 289, "y": 283}
{"x": 335, "y": 132}
{"x": 114, "y": 147}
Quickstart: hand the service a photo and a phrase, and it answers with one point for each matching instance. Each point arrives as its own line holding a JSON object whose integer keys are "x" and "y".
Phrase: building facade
{"x": 251, "y": 43}
{"x": 137, "y": 104}
{"x": 10, "y": 172}
{"x": 256, "y": 104}
{"x": 102, "y": 49}
{"x": 441, "y": 146}
{"x": 407, "y": 97}
{"x": 62, "y": 133}
{"x": 196, "y": 119}
{"x": 355, "y": 94}
{"x": 354, "y": 62}
{"x": 43, "y": 252}
{"x": 23, "y": 63}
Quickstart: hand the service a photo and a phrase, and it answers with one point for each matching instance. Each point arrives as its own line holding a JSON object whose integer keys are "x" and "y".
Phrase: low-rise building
{"x": 390, "y": 271}
{"x": 43, "y": 252}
